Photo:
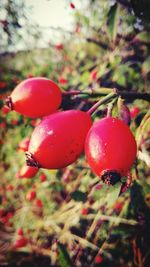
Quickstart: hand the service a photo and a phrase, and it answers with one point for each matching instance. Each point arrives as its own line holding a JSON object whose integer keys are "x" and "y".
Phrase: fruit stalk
{"x": 101, "y": 102}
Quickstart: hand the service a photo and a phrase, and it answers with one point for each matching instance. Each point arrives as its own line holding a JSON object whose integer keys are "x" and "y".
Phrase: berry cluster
{"x": 60, "y": 138}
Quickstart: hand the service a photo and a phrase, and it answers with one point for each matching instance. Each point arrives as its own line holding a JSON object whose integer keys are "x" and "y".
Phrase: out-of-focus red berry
{"x": 39, "y": 203}
{"x": 43, "y": 177}
{"x": 118, "y": 206}
{"x": 63, "y": 81}
{"x": 93, "y": 75}
{"x": 134, "y": 112}
{"x": 5, "y": 109}
{"x": 72, "y": 5}
{"x": 84, "y": 211}
{"x": 27, "y": 172}
{"x": 14, "y": 122}
{"x": 98, "y": 259}
{"x": 31, "y": 195}
{"x": 59, "y": 47}
{"x": 3, "y": 125}
{"x": 30, "y": 75}
{"x": 21, "y": 242}
{"x": 3, "y": 85}
{"x": 9, "y": 187}
{"x": 20, "y": 232}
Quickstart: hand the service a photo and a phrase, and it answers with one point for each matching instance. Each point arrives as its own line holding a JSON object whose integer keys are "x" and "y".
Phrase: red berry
{"x": 9, "y": 187}
{"x": 134, "y": 112}
{"x": 43, "y": 177}
{"x": 27, "y": 172}
{"x": 63, "y": 81}
{"x": 98, "y": 259}
{"x": 39, "y": 203}
{"x": 59, "y": 47}
{"x": 3, "y": 125}
{"x": 110, "y": 147}
{"x": 118, "y": 206}
{"x": 35, "y": 97}
{"x": 14, "y": 122}
{"x": 20, "y": 231}
{"x": 23, "y": 145}
{"x": 3, "y": 85}
{"x": 31, "y": 195}
{"x": 5, "y": 109}
{"x": 59, "y": 139}
{"x": 21, "y": 242}
{"x": 72, "y": 5}
{"x": 93, "y": 75}
{"x": 84, "y": 211}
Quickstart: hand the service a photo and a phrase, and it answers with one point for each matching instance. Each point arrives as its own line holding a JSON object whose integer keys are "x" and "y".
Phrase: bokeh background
{"x": 72, "y": 219}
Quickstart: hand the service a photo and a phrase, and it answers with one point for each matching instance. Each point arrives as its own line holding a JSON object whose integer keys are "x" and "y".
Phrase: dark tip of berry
{"x": 111, "y": 177}
{"x": 31, "y": 161}
{"x": 9, "y": 103}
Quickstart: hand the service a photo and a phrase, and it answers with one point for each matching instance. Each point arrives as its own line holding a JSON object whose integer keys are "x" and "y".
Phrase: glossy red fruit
{"x": 21, "y": 242}
{"x": 31, "y": 195}
{"x": 27, "y": 172}
{"x": 23, "y": 145}
{"x": 59, "y": 139}
{"x": 35, "y": 97}
{"x": 110, "y": 148}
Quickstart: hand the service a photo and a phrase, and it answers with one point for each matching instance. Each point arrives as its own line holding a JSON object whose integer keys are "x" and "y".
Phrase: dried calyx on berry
{"x": 111, "y": 177}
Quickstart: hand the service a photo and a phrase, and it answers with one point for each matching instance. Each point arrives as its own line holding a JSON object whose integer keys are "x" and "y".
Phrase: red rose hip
{"x": 35, "y": 97}
{"x": 27, "y": 172}
{"x": 110, "y": 149}
{"x": 59, "y": 139}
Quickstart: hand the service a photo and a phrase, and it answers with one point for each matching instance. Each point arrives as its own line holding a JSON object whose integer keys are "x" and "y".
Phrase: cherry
{"x": 59, "y": 139}
{"x": 110, "y": 149}
{"x": 35, "y": 97}
{"x": 23, "y": 145}
{"x": 31, "y": 195}
{"x": 21, "y": 242}
{"x": 27, "y": 172}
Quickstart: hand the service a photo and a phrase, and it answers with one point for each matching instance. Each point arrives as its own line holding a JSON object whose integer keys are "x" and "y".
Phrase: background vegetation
{"x": 81, "y": 222}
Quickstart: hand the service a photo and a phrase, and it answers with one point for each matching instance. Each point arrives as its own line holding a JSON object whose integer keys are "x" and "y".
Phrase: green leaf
{"x": 79, "y": 196}
{"x": 112, "y": 21}
{"x": 146, "y": 66}
{"x": 143, "y": 37}
{"x": 63, "y": 256}
{"x": 113, "y": 193}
